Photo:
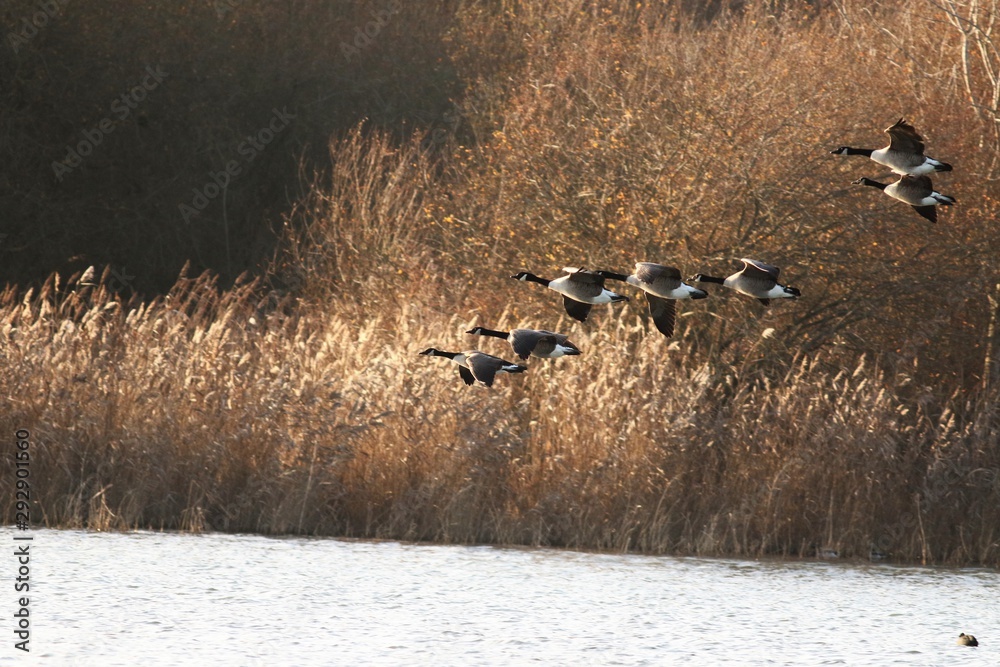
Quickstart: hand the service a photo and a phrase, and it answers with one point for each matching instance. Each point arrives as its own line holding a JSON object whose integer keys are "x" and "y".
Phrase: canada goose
{"x": 755, "y": 279}
{"x": 904, "y": 154}
{"x": 580, "y": 289}
{"x": 538, "y": 342}
{"x": 662, "y": 285}
{"x": 473, "y": 365}
{"x": 967, "y": 640}
{"x": 917, "y": 191}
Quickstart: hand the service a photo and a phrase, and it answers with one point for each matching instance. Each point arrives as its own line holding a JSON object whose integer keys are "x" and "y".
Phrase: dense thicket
{"x": 71, "y": 92}
{"x": 861, "y": 417}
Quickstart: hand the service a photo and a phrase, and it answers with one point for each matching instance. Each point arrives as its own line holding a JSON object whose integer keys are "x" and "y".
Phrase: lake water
{"x": 170, "y": 599}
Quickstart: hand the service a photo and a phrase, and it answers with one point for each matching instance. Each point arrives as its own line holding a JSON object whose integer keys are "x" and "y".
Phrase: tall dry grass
{"x": 230, "y": 412}
{"x": 858, "y": 418}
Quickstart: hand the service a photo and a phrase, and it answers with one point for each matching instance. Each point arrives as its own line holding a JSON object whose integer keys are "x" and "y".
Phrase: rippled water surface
{"x": 151, "y": 599}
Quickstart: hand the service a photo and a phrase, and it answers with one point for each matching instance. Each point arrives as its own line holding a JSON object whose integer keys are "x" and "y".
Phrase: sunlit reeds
{"x": 209, "y": 410}
{"x": 854, "y": 419}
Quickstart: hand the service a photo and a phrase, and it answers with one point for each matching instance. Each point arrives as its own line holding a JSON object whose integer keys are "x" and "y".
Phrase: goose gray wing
{"x": 903, "y": 138}
{"x": 649, "y": 272}
{"x": 918, "y": 185}
{"x": 929, "y": 212}
{"x": 524, "y": 341}
{"x": 544, "y": 345}
{"x": 484, "y": 367}
{"x": 756, "y": 270}
{"x": 913, "y": 189}
{"x": 584, "y": 275}
{"x": 466, "y": 375}
{"x": 586, "y": 284}
{"x": 663, "y": 312}
{"x": 578, "y": 310}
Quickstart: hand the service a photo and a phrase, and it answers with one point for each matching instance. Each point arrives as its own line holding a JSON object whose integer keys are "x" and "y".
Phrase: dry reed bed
{"x": 831, "y": 422}
{"x": 215, "y": 410}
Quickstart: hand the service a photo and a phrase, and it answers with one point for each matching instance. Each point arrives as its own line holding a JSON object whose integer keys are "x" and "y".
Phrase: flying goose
{"x": 917, "y": 191}
{"x": 755, "y": 279}
{"x": 662, "y": 285}
{"x": 967, "y": 640}
{"x": 904, "y": 154}
{"x": 473, "y": 365}
{"x": 537, "y": 342}
{"x": 580, "y": 289}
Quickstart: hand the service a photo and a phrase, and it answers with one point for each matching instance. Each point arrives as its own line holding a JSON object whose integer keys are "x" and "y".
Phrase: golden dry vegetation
{"x": 862, "y": 417}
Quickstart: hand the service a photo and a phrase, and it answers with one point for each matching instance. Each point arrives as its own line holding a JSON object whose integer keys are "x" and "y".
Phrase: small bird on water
{"x": 967, "y": 640}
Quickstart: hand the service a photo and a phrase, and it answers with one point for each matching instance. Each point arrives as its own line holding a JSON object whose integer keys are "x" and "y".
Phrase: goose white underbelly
{"x": 893, "y": 191}
{"x": 775, "y": 292}
{"x": 567, "y": 288}
{"x": 559, "y": 351}
{"x": 903, "y": 164}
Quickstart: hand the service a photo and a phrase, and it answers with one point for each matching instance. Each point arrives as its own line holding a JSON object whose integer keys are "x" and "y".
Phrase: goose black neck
{"x": 875, "y": 184}
{"x": 532, "y": 278}
{"x": 438, "y": 353}
{"x": 867, "y": 152}
{"x": 483, "y": 331}
{"x": 612, "y": 275}
{"x": 710, "y": 279}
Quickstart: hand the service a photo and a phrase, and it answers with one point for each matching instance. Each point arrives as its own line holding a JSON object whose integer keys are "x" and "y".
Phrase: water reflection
{"x": 108, "y": 599}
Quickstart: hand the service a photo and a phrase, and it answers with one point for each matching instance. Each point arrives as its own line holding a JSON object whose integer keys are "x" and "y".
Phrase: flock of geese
{"x": 582, "y": 288}
{"x": 905, "y": 156}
